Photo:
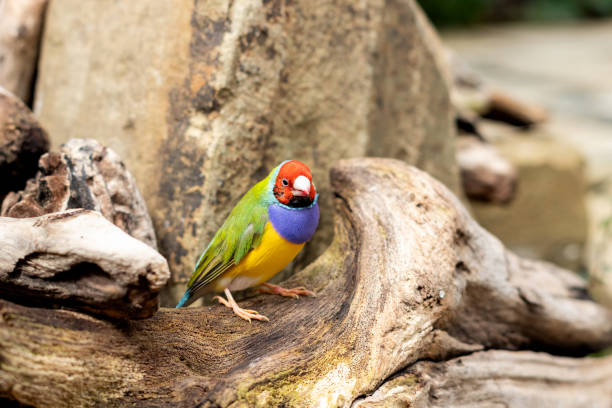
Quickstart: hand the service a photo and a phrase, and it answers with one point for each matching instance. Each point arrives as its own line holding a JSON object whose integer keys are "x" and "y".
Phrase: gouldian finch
{"x": 263, "y": 233}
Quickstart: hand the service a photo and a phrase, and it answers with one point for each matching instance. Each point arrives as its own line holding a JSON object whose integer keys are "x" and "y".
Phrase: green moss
{"x": 278, "y": 390}
{"x": 406, "y": 380}
{"x": 602, "y": 353}
{"x": 290, "y": 387}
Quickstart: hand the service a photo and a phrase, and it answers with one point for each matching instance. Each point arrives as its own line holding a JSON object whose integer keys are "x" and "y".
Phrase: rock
{"x": 578, "y": 96}
{"x": 21, "y": 22}
{"x": 410, "y": 278}
{"x": 22, "y": 142}
{"x": 202, "y": 99}
{"x": 78, "y": 259}
{"x": 472, "y": 95}
{"x": 600, "y": 248}
{"x": 485, "y": 174}
{"x": 84, "y": 174}
{"x": 504, "y": 107}
{"x": 547, "y": 218}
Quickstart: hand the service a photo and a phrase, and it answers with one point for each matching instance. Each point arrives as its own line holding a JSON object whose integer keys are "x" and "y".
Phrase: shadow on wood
{"x": 409, "y": 276}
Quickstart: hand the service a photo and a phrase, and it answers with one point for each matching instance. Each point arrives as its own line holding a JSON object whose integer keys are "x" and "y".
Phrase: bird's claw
{"x": 246, "y": 314}
{"x": 278, "y": 290}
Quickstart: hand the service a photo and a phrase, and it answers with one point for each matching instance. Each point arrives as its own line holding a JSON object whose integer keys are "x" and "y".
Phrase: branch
{"x": 79, "y": 259}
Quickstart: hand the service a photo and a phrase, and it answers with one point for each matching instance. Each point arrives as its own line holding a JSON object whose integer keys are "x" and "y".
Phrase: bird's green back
{"x": 241, "y": 232}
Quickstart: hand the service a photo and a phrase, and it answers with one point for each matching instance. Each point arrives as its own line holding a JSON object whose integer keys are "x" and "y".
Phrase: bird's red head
{"x": 293, "y": 185}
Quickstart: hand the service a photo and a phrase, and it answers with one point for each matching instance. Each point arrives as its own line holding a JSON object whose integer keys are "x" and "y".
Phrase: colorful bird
{"x": 263, "y": 233}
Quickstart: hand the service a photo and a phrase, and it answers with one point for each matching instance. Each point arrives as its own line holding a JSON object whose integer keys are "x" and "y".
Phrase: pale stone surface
{"x": 202, "y": 99}
{"x": 79, "y": 259}
{"x": 20, "y": 26}
{"x": 547, "y": 218}
{"x": 84, "y": 174}
{"x": 485, "y": 174}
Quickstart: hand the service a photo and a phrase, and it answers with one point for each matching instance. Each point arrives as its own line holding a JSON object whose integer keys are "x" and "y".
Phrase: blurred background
{"x": 458, "y": 13}
{"x": 553, "y": 61}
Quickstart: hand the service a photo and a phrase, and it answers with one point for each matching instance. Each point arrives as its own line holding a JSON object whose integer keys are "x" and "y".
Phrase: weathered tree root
{"x": 409, "y": 276}
{"x": 79, "y": 259}
{"x": 495, "y": 377}
{"x": 84, "y": 174}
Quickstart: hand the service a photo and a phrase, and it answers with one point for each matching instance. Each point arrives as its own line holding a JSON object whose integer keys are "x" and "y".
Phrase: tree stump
{"x": 409, "y": 281}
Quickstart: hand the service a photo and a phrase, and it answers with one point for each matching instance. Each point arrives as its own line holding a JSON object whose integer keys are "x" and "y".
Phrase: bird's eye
{"x": 285, "y": 182}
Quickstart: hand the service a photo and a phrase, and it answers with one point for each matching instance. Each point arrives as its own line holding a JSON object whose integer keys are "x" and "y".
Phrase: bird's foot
{"x": 278, "y": 290}
{"x": 246, "y": 314}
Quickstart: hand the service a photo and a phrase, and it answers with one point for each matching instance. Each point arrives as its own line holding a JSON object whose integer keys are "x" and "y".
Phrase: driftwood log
{"x": 84, "y": 174}
{"x": 408, "y": 278}
{"x": 499, "y": 378}
{"x": 79, "y": 259}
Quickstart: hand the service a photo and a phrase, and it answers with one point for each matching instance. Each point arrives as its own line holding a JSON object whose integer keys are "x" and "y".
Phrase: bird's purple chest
{"x": 295, "y": 225}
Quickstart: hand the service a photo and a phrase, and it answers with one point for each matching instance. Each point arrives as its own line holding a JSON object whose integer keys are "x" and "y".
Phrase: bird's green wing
{"x": 241, "y": 232}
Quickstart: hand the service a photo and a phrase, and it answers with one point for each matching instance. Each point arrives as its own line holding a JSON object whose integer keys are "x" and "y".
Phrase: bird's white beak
{"x": 301, "y": 186}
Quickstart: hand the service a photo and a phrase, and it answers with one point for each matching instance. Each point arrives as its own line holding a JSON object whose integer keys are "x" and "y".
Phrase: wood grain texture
{"x": 499, "y": 378}
{"x": 409, "y": 276}
{"x": 78, "y": 259}
{"x": 84, "y": 174}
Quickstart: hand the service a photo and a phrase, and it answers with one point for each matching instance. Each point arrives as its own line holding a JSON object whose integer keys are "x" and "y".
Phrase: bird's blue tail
{"x": 184, "y": 299}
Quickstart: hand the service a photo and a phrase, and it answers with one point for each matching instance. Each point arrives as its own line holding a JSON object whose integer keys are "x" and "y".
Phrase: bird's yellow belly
{"x": 260, "y": 264}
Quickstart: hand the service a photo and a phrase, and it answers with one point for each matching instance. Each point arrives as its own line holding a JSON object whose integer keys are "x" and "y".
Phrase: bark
{"x": 485, "y": 174}
{"x": 499, "y": 378}
{"x": 80, "y": 260}
{"x": 21, "y": 23}
{"x": 409, "y": 276}
{"x": 22, "y": 142}
{"x": 84, "y": 174}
